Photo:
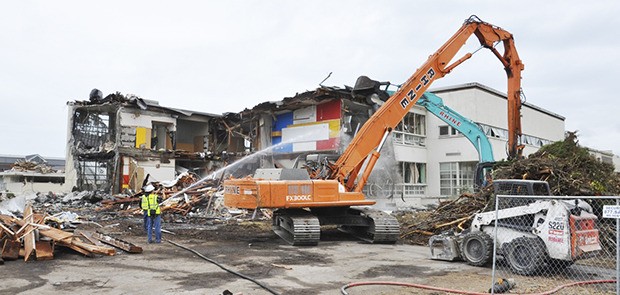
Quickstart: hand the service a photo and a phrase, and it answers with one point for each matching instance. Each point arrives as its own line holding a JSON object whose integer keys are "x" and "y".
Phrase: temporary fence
{"x": 550, "y": 245}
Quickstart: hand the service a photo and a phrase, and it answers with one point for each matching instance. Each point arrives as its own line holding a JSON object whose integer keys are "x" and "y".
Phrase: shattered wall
{"x": 91, "y": 158}
{"x": 115, "y": 142}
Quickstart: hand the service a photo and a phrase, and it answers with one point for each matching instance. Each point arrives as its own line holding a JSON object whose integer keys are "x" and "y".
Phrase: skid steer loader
{"x": 531, "y": 233}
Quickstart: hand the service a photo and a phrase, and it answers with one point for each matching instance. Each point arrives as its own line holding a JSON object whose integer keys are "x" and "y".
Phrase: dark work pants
{"x": 153, "y": 223}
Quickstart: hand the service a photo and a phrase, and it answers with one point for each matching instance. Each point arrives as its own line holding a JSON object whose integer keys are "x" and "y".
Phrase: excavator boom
{"x": 348, "y": 166}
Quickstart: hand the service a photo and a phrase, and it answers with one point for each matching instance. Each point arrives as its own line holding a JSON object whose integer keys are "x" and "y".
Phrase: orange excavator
{"x": 303, "y": 204}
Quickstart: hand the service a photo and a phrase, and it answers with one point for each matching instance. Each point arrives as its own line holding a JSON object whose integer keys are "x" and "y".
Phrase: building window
{"x": 94, "y": 174}
{"x": 500, "y": 133}
{"x": 411, "y": 130}
{"x": 456, "y": 178}
{"x": 413, "y": 123}
{"x": 414, "y": 179}
{"x": 91, "y": 129}
{"x": 413, "y": 172}
{"x": 446, "y": 131}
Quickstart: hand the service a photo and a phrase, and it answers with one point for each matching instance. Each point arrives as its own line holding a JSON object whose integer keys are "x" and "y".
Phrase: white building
{"x": 444, "y": 163}
{"x": 36, "y": 174}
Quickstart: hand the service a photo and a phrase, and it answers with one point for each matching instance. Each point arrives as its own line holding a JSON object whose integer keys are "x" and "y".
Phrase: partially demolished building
{"x": 116, "y": 141}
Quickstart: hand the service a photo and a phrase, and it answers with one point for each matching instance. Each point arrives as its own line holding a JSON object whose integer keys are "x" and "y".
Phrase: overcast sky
{"x": 224, "y": 56}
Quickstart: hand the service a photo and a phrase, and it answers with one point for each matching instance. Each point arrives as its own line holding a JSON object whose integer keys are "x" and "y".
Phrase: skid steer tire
{"x": 526, "y": 256}
{"x": 477, "y": 248}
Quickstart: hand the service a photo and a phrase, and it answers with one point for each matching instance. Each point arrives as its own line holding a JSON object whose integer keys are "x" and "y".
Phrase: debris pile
{"x": 184, "y": 196}
{"x": 452, "y": 215}
{"x": 183, "y": 199}
{"x": 569, "y": 169}
{"x": 29, "y": 166}
{"x": 36, "y": 236}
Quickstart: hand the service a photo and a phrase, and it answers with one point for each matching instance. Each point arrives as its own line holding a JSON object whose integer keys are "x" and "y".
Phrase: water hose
{"x": 420, "y": 286}
{"x": 226, "y": 269}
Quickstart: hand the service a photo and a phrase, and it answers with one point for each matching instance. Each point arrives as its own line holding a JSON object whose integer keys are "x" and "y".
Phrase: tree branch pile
{"x": 569, "y": 169}
{"x": 453, "y": 215}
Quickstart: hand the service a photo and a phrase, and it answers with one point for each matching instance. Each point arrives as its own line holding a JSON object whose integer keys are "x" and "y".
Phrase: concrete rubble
{"x": 34, "y": 226}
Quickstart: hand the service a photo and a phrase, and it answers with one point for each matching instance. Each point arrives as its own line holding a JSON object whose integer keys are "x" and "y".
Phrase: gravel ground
{"x": 253, "y": 250}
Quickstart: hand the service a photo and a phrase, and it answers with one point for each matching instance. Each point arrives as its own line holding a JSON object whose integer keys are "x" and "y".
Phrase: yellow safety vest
{"x": 149, "y": 202}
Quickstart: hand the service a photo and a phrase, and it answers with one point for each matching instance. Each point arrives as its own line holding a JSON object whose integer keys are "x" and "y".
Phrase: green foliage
{"x": 568, "y": 168}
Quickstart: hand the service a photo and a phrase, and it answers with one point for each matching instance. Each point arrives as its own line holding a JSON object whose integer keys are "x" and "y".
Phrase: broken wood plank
{"x": 7, "y": 230}
{"x": 92, "y": 248}
{"x": 121, "y": 201}
{"x": 8, "y": 220}
{"x": 23, "y": 227}
{"x": 116, "y": 242}
{"x": 45, "y": 250}
{"x": 88, "y": 235}
{"x": 55, "y": 234}
{"x": 75, "y": 248}
{"x": 168, "y": 232}
{"x": 29, "y": 240}
{"x": 26, "y": 233}
{"x": 41, "y": 226}
{"x": 10, "y": 249}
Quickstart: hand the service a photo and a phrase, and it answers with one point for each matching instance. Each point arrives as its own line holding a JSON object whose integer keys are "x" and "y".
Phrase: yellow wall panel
{"x": 143, "y": 137}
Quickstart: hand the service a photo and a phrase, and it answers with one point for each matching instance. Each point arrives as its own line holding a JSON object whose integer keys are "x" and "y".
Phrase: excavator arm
{"x": 434, "y": 104}
{"x": 366, "y": 145}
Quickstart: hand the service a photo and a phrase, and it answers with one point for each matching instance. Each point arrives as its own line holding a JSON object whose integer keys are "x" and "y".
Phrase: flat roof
{"x": 27, "y": 173}
{"x": 492, "y": 91}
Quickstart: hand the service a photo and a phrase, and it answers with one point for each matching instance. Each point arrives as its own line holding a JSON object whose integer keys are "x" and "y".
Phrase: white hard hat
{"x": 149, "y": 188}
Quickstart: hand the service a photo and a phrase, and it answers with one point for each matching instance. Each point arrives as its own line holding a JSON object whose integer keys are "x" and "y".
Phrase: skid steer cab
{"x": 531, "y": 233}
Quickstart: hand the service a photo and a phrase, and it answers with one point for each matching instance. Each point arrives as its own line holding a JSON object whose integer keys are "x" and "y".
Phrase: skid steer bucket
{"x": 444, "y": 247}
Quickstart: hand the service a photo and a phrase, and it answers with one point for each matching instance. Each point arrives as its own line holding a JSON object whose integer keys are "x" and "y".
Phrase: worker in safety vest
{"x": 144, "y": 204}
{"x": 152, "y": 213}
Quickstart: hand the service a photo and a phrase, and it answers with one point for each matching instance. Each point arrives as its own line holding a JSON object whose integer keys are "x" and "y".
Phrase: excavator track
{"x": 383, "y": 229}
{"x": 298, "y": 228}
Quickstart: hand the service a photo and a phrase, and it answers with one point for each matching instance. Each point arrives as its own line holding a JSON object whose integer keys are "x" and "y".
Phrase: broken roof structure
{"x": 117, "y": 140}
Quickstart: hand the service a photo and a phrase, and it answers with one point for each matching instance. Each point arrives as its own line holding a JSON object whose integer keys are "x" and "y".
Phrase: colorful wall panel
{"x": 313, "y": 128}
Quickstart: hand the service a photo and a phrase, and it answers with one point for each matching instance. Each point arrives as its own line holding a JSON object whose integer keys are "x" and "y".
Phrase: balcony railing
{"x": 408, "y": 138}
{"x": 410, "y": 190}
